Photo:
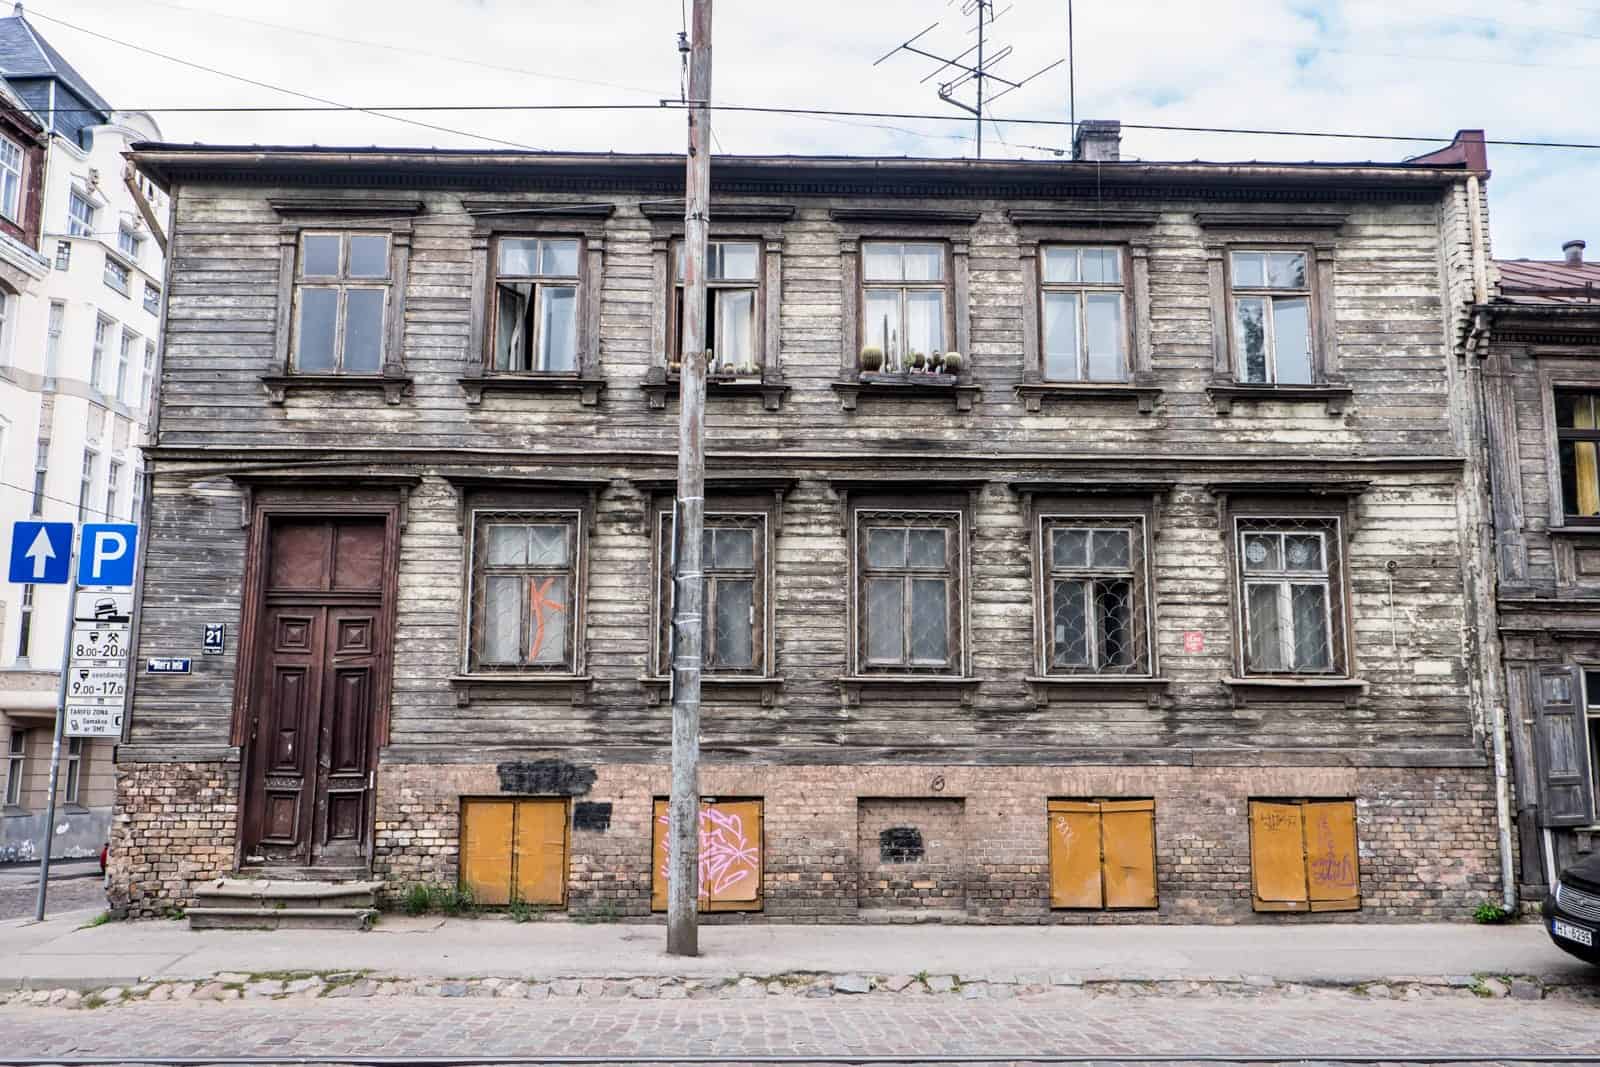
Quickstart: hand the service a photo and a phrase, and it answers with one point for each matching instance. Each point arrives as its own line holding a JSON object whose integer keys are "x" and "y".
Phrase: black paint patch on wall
{"x": 900, "y": 844}
{"x": 587, "y": 815}
{"x": 545, "y": 776}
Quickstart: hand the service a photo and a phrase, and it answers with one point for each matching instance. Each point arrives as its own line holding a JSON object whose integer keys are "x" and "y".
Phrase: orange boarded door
{"x": 1303, "y": 855}
{"x": 515, "y": 849}
{"x": 730, "y": 855}
{"x": 1102, "y": 854}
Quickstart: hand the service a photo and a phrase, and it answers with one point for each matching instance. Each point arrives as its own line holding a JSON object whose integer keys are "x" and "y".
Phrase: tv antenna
{"x": 974, "y": 65}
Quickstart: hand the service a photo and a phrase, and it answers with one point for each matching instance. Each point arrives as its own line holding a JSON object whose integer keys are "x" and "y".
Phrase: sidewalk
{"x": 62, "y": 953}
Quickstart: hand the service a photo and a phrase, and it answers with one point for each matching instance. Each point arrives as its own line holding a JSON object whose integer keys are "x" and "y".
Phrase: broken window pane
{"x": 1104, "y": 334}
{"x": 320, "y": 255}
{"x": 929, "y": 621}
{"x": 1251, "y": 314}
{"x": 1061, "y": 336}
{"x": 886, "y": 620}
{"x": 558, "y": 332}
{"x": 363, "y": 330}
{"x": 1291, "y": 335}
{"x": 369, "y": 256}
{"x": 319, "y": 318}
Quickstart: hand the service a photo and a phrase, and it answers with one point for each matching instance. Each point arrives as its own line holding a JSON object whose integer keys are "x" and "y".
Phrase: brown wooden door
{"x": 320, "y": 645}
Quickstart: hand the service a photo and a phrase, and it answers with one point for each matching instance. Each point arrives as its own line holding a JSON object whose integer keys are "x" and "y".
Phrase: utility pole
{"x": 688, "y": 604}
{"x": 48, "y": 834}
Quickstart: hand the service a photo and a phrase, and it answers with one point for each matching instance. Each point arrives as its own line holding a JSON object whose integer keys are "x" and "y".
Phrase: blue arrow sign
{"x": 107, "y": 553}
{"x": 41, "y": 553}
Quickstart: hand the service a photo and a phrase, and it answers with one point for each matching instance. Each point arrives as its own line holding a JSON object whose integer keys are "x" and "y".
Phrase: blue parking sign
{"x": 41, "y": 553}
{"x": 106, "y": 554}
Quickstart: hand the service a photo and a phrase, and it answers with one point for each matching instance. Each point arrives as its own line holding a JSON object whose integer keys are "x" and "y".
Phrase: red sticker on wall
{"x": 1194, "y": 641}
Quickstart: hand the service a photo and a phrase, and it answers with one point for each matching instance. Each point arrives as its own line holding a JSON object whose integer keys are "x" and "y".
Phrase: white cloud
{"x": 1426, "y": 67}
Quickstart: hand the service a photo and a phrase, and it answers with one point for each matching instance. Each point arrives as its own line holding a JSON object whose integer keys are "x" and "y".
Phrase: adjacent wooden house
{"x": 1087, "y": 540}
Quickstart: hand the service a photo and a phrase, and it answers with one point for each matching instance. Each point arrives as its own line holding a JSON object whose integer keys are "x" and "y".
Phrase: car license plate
{"x": 1581, "y": 935}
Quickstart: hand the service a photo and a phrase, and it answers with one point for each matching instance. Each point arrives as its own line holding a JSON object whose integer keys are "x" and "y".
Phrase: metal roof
{"x": 1540, "y": 281}
{"x": 24, "y": 54}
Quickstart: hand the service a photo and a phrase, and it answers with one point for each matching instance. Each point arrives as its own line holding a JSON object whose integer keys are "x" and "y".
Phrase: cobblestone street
{"x": 18, "y": 898}
{"x": 1295, "y": 1024}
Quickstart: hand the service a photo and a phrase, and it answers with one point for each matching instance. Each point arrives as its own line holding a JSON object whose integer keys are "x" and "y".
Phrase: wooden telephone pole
{"x": 683, "y": 830}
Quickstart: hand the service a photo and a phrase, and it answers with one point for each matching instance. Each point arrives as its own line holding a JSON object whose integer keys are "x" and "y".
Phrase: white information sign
{"x": 97, "y": 662}
{"x": 100, "y": 646}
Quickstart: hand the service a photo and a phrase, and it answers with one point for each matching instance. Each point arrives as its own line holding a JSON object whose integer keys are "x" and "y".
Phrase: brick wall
{"x": 175, "y": 826}
{"x": 912, "y": 854}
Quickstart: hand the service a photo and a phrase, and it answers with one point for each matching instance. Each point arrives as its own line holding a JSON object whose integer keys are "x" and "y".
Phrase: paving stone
{"x": 210, "y": 991}
{"x": 160, "y": 993}
{"x": 941, "y": 983}
{"x": 1522, "y": 989}
{"x": 267, "y": 987}
{"x": 1065, "y": 979}
{"x": 538, "y": 991}
{"x": 852, "y": 983}
{"x": 1260, "y": 981}
{"x": 644, "y": 989}
{"x": 111, "y": 994}
{"x": 776, "y": 988}
{"x": 565, "y": 987}
{"x": 301, "y": 985}
{"x": 453, "y": 989}
{"x": 1381, "y": 992}
{"x": 898, "y": 983}
{"x": 231, "y": 978}
{"x": 512, "y": 989}
{"x": 975, "y": 991}
{"x": 182, "y": 990}
{"x": 674, "y": 992}
{"x": 1495, "y": 987}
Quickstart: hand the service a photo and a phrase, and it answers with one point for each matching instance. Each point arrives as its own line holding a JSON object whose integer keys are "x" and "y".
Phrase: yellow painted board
{"x": 1277, "y": 855}
{"x": 541, "y": 852}
{"x": 1333, "y": 870}
{"x": 486, "y": 833}
{"x": 1128, "y": 834}
{"x": 1075, "y": 871}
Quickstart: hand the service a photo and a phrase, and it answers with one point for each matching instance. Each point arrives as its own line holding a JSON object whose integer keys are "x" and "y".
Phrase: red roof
{"x": 1538, "y": 281}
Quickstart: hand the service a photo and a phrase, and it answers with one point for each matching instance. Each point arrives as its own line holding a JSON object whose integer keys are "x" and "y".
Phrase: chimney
{"x": 1574, "y": 251}
{"x": 1098, "y": 140}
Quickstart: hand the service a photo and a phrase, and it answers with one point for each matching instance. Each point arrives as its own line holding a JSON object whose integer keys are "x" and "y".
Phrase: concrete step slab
{"x": 247, "y": 918}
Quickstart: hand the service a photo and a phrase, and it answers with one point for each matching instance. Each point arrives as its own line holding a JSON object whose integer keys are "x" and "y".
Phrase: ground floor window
{"x": 16, "y": 763}
{"x": 514, "y": 850}
{"x": 730, "y": 855}
{"x": 1102, "y": 853}
{"x": 1303, "y": 855}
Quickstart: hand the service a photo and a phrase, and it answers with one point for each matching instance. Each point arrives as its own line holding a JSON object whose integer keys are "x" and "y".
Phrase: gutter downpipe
{"x": 1488, "y": 555}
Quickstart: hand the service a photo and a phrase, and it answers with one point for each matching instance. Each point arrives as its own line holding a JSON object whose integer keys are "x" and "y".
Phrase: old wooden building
{"x": 1154, "y": 601}
{"x": 1538, "y": 342}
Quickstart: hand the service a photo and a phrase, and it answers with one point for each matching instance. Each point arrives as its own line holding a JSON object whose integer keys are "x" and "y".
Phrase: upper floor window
{"x": 97, "y": 355}
{"x": 80, "y": 215}
{"x": 148, "y": 381}
{"x": 536, "y": 305}
{"x": 734, "y": 561}
{"x": 130, "y": 341}
{"x": 1084, "y": 327}
{"x": 41, "y": 473}
{"x": 733, "y": 271}
{"x": 1096, "y": 613}
{"x": 10, "y": 179}
{"x": 1291, "y": 595}
{"x": 86, "y": 483}
{"x": 118, "y": 275}
{"x": 113, "y": 486}
{"x": 909, "y": 591}
{"x": 63, "y": 255}
{"x": 1578, "y": 447}
{"x": 524, "y": 589}
{"x": 341, "y": 296}
{"x": 54, "y": 324}
{"x": 1272, "y": 317}
{"x": 904, "y": 303}
{"x": 152, "y": 299}
{"x": 129, "y": 243}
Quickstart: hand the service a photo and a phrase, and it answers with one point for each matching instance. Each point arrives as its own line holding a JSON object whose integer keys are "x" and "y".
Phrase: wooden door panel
{"x": 358, "y": 556}
{"x": 1277, "y": 856}
{"x": 298, "y": 556}
{"x": 730, "y": 856}
{"x": 541, "y": 851}
{"x": 287, "y": 708}
{"x": 1075, "y": 854}
{"x": 486, "y": 842}
{"x": 1332, "y": 868}
{"x": 1128, "y": 832}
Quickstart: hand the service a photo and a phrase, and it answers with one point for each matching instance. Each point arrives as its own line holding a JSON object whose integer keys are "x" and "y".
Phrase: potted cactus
{"x": 871, "y": 359}
{"x": 918, "y": 361}
{"x": 952, "y": 362}
{"x": 747, "y": 369}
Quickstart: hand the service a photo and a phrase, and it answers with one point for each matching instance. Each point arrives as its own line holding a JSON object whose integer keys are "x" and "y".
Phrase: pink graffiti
{"x": 727, "y": 856}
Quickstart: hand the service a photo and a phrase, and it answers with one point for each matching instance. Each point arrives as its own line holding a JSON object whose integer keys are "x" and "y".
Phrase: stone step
{"x": 243, "y": 892}
{"x": 277, "y": 873}
{"x": 209, "y": 918}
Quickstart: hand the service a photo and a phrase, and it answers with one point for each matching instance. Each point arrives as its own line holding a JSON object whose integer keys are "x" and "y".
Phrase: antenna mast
{"x": 975, "y": 64}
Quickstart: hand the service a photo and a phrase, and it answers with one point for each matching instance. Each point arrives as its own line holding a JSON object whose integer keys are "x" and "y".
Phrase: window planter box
{"x": 278, "y": 386}
{"x": 1334, "y": 398}
{"x": 907, "y": 385}
{"x": 588, "y": 389}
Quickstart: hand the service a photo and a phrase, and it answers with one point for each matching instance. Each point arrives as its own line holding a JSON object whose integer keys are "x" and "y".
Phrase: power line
{"x": 277, "y": 88}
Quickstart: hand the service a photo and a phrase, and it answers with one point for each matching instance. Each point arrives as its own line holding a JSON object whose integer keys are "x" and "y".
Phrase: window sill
{"x": 278, "y": 386}
{"x": 771, "y": 391}
{"x": 13, "y": 811}
{"x": 740, "y": 689}
{"x": 852, "y": 687}
{"x": 1333, "y": 397}
{"x": 1079, "y": 687}
{"x": 1304, "y": 690}
{"x": 588, "y": 389}
{"x": 518, "y": 686}
{"x": 1033, "y": 394}
{"x": 1575, "y": 530}
{"x": 908, "y": 387}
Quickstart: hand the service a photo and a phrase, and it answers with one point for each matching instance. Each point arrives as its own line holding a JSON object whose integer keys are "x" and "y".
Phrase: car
{"x": 1572, "y": 910}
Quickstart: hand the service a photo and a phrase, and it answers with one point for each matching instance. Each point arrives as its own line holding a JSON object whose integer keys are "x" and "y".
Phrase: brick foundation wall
{"x": 175, "y": 825}
{"x": 1426, "y": 836}
{"x": 911, "y": 854}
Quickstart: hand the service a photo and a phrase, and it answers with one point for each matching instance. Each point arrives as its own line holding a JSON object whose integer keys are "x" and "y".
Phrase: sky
{"x": 1519, "y": 69}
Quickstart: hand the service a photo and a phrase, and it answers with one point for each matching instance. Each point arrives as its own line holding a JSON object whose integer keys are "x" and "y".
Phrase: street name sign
{"x": 41, "y": 553}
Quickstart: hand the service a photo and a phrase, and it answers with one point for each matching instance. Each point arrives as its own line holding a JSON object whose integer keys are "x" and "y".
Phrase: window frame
{"x": 129, "y": 243}
{"x": 16, "y": 765}
{"x": 72, "y": 779}
{"x": 117, "y": 275}
{"x": 528, "y": 514}
{"x": 945, "y": 285}
{"x": 152, "y": 298}
{"x": 756, "y": 285}
{"x": 80, "y": 224}
{"x": 1125, "y": 324}
{"x": 25, "y": 622}
{"x": 125, "y": 345}
{"x": 86, "y": 481}
{"x": 41, "y": 475}
{"x": 1310, "y": 293}
{"x": 1575, "y": 435}
{"x": 14, "y": 206}
{"x": 729, "y": 512}
{"x": 1334, "y": 578}
{"x": 577, "y": 281}
{"x": 97, "y": 351}
{"x": 341, "y": 284}
{"x": 55, "y": 328}
{"x": 954, "y": 519}
{"x": 1137, "y": 523}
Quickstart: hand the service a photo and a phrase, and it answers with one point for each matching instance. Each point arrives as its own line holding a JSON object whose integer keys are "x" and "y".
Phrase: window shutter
{"x": 1277, "y": 857}
{"x": 1332, "y": 870}
{"x": 730, "y": 856}
{"x": 1128, "y": 829}
{"x": 542, "y": 851}
{"x": 1075, "y": 854}
{"x": 486, "y": 831}
{"x": 1566, "y": 795}
{"x": 658, "y": 857}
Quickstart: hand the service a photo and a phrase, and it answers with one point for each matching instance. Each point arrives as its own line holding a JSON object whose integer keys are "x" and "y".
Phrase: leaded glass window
{"x": 733, "y": 557}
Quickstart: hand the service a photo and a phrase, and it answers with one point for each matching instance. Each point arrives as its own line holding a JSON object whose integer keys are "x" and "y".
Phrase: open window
{"x": 537, "y": 293}
{"x": 1567, "y": 738}
{"x": 733, "y": 304}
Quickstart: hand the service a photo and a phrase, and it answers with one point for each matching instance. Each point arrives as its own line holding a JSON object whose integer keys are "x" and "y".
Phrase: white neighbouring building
{"x": 81, "y": 272}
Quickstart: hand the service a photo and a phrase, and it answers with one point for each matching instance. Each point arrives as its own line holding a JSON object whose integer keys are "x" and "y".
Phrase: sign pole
{"x": 47, "y": 839}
